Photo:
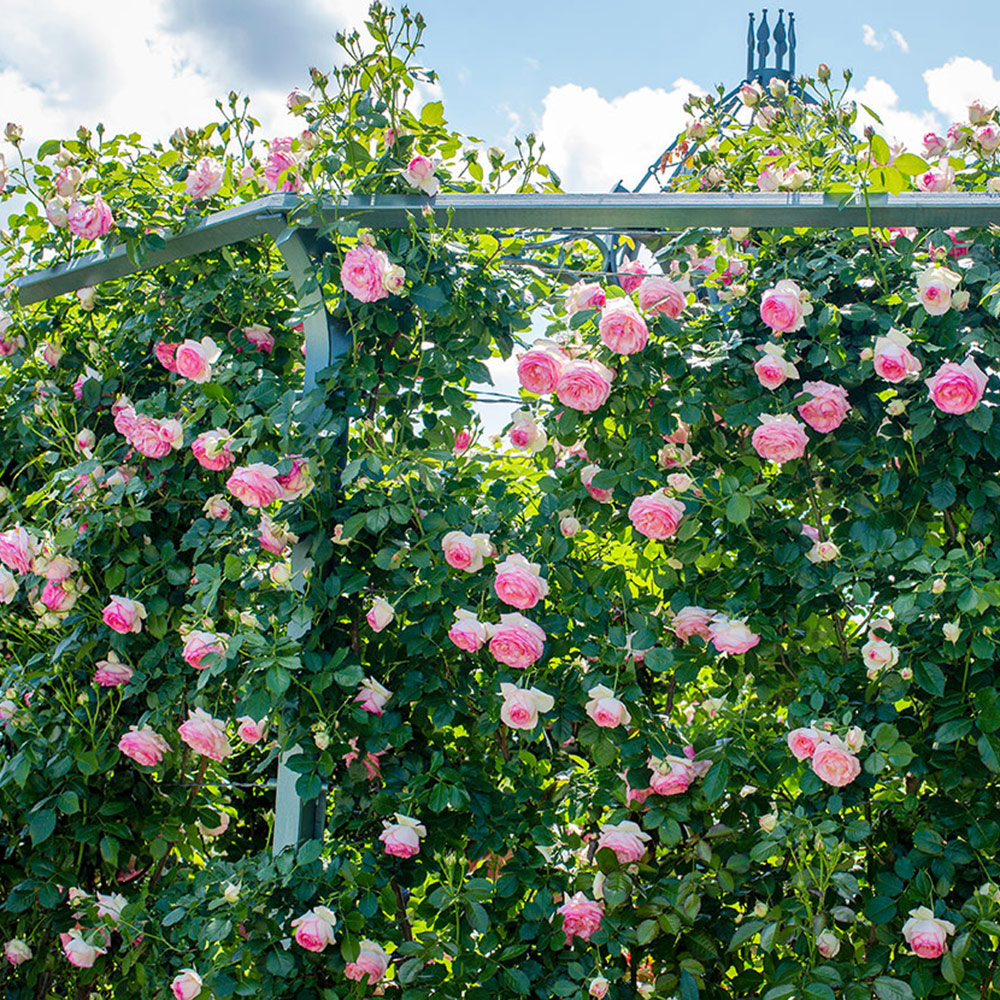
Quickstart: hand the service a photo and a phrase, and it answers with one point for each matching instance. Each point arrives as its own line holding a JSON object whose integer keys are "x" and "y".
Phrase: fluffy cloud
{"x": 907, "y": 126}
{"x": 152, "y": 66}
{"x": 951, "y": 88}
{"x": 870, "y": 38}
{"x": 592, "y": 142}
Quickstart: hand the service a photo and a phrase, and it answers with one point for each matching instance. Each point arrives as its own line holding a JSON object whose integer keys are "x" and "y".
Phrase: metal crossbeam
{"x": 617, "y": 212}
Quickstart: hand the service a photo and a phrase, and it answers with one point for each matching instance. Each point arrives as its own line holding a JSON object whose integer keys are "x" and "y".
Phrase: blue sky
{"x": 602, "y": 84}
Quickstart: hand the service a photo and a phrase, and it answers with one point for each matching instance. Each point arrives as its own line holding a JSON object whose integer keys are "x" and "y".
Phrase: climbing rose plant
{"x": 682, "y": 686}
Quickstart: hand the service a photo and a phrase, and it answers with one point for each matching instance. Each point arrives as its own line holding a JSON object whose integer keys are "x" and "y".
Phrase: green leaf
{"x": 430, "y": 298}
{"x": 929, "y": 676}
{"x": 738, "y": 508}
{"x": 716, "y": 780}
{"x": 880, "y": 909}
{"x": 646, "y": 931}
{"x": 951, "y": 968}
{"x": 432, "y": 113}
{"x": 951, "y": 732}
{"x": 689, "y": 986}
{"x": 779, "y": 993}
{"x": 941, "y": 495}
{"x": 907, "y": 163}
{"x": 818, "y": 991}
{"x": 41, "y": 825}
{"x": 887, "y": 988}
{"x": 310, "y": 851}
{"x": 745, "y": 931}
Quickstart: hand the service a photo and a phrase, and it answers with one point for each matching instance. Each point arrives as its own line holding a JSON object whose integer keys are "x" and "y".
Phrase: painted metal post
{"x": 297, "y": 819}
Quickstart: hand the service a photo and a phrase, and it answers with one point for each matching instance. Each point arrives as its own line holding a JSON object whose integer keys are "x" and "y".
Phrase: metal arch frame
{"x": 603, "y": 214}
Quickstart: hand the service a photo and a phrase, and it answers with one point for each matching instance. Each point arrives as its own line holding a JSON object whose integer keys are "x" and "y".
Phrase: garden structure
{"x": 684, "y": 687}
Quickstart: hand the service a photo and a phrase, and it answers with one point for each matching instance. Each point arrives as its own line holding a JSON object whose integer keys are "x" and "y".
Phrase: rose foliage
{"x": 684, "y": 686}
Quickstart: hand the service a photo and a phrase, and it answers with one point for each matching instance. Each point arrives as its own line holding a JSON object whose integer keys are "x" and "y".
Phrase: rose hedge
{"x": 684, "y": 687}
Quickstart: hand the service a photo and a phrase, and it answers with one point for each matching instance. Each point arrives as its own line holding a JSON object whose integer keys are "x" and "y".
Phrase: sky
{"x": 602, "y": 85}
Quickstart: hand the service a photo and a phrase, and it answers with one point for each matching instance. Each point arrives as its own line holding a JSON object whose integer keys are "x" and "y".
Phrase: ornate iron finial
{"x": 780, "y": 48}
{"x": 763, "y": 43}
{"x": 791, "y": 43}
{"x": 750, "y": 40}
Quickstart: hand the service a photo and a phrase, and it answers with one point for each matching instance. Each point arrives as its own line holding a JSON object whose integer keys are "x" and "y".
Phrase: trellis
{"x": 294, "y": 224}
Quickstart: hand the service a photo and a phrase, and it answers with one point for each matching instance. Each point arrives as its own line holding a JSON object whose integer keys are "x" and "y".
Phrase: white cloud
{"x": 952, "y": 87}
{"x": 149, "y": 67}
{"x": 870, "y": 38}
{"x": 897, "y": 37}
{"x": 592, "y": 142}
{"x": 907, "y": 126}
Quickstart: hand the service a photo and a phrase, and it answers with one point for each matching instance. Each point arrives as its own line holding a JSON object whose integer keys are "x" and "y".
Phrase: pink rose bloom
{"x": 205, "y": 735}
{"x": 926, "y": 934}
{"x": 144, "y": 435}
{"x": 261, "y": 338}
{"x": 194, "y": 359}
{"x": 274, "y": 538}
{"x": 937, "y": 179}
{"x": 314, "y": 929}
{"x": 539, "y": 369}
{"x": 892, "y": 359}
{"x": 144, "y": 746}
{"x": 626, "y": 839}
{"x": 598, "y": 987}
{"x": 112, "y": 672}
{"x": 693, "y": 620}
{"x": 730, "y": 636}
{"x": 526, "y": 433}
{"x": 605, "y": 709}
{"x": 662, "y": 297}
{"x": 581, "y": 917}
{"x": 205, "y": 179}
{"x": 584, "y": 296}
{"x": 279, "y": 160}
{"x": 803, "y": 742}
{"x": 124, "y": 615}
{"x": 521, "y": 707}
{"x": 211, "y": 449}
{"x": 380, "y": 614}
{"x": 419, "y": 173}
{"x": 57, "y": 568}
{"x": 957, "y": 388}
{"x": 519, "y": 583}
{"x": 835, "y": 765}
{"x": 621, "y": 327}
{"x": 782, "y": 308}
{"x": 587, "y": 474}
{"x": 198, "y": 645}
{"x": 16, "y": 951}
{"x": 630, "y": 277}
{"x": 371, "y": 963}
{"x": 568, "y": 527}
{"x": 779, "y": 439}
{"x": 934, "y": 145}
{"x": 68, "y": 180}
{"x": 251, "y": 730}
{"x": 462, "y": 441}
{"x": 827, "y": 409}
{"x": 516, "y": 641}
{"x": 372, "y": 697}
{"x": 773, "y": 369}
{"x": 186, "y": 985}
{"x": 217, "y": 507}
{"x": 297, "y": 482}
{"x": 55, "y": 598}
{"x": 361, "y": 273}
{"x": 468, "y": 632}
{"x": 78, "y": 950}
{"x": 466, "y": 552}
{"x": 89, "y": 222}
{"x": 255, "y": 485}
{"x": 769, "y": 180}
{"x": 584, "y": 385}
{"x": 51, "y": 353}
{"x": 17, "y": 549}
{"x": 402, "y": 838}
{"x": 656, "y": 515}
{"x": 987, "y": 138}
{"x": 670, "y": 775}
{"x": 934, "y": 288}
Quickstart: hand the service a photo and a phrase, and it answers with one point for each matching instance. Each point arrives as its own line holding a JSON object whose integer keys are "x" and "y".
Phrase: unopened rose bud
{"x": 297, "y": 100}
{"x": 496, "y": 156}
{"x": 318, "y": 78}
{"x": 697, "y": 129}
{"x": 747, "y": 790}
{"x": 231, "y": 893}
{"x": 896, "y": 406}
{"x": 855, "y": 739}
{"x": 569, "y": 526}
{"x": 778, "y": 87}
{"x": 83, "y": 133}
{"x": 951, "y": 631}
{"x": 822, "y": 72}
{"x": 13, "y": 133}
{"x": 828, "y": 944}
{"x": 739, "y": 233}
{"x": 939, "y": 586}
{"x": 960, "y": 300}
{"x": 768, "y": 822}
{"x": 993, "y": 185}
{"x": 64, "y": 157}
{"x": 309, "y": 139}
{"x": 321, "y": 739}
{"x": 760, "y": 910}
{"x": 87, "y": 295}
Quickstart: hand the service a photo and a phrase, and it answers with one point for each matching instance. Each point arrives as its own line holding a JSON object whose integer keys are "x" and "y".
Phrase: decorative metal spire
{"x": 784, "y": 45}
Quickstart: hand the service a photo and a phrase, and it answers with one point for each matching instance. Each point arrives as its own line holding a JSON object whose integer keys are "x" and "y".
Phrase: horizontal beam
{"x": 619, "y": 212}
